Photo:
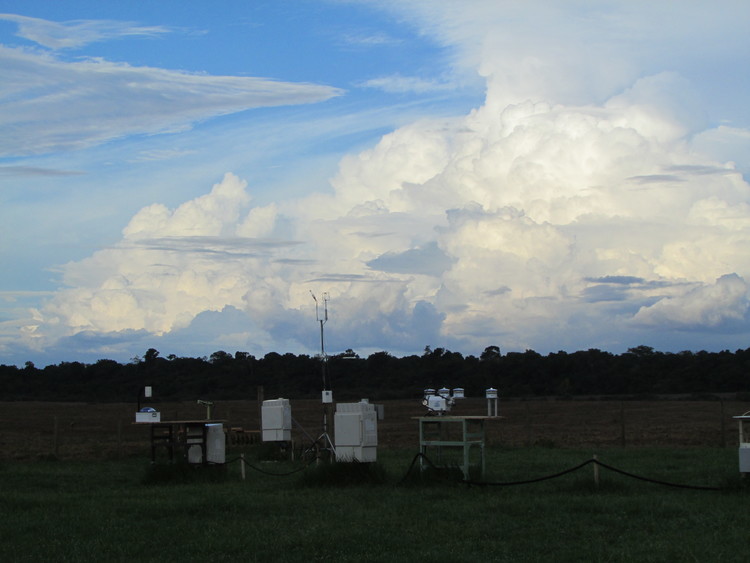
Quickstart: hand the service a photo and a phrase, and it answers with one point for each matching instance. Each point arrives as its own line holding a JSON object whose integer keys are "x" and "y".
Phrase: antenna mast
{"x": 326, "y": 395}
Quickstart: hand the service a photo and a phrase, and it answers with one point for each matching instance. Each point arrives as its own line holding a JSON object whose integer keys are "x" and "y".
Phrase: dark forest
{"x": 639, "y": 372}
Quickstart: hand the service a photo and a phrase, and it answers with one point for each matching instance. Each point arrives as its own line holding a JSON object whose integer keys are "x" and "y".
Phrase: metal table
{"x": 441, "y": 432}
{"x": 180, "y": 435}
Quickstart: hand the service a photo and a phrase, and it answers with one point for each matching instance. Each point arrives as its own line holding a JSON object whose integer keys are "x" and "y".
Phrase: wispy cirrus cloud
{"x": 398, "y": 84}
{"x": 370, "y": 39}
{"x": 36, "y": 171}
{"x": 77, "y": 33}
{"x": 161, "y": 154}
{"x": 47, "y": 104}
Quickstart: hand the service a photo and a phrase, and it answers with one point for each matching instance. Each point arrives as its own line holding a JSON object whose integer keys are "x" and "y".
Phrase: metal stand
{"x": 323, "y": 442}
{"x": 433, "y": 432}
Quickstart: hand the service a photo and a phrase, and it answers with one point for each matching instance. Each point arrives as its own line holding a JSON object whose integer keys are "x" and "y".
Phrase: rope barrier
{"x": 471, "y": 482}
{"x": 580, "y": 466}
{"x": 271, "y": 473}
{"x": 655, "y": 481}
{"x": 529, "y": 481}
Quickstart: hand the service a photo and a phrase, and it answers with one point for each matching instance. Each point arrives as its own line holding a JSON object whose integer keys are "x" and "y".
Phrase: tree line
{"x": 380, "y": 376}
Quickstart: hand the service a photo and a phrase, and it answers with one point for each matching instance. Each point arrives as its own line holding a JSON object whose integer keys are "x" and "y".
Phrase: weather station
{"x": 356, "y": 435}
{"x": 441, "y": 432}
{"x": 198, "y": 441}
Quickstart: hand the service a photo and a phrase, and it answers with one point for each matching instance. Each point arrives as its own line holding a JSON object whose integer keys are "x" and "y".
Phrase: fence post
{"x": 528, "y": 424}
{"x": 56, "y": 437}
{"x": 242, "y": 466}
{"x": 622, "y": 423}
{"x": 119, "y": 438}
{"x": 596, "y": 472}
{"x": 260, "y": 406}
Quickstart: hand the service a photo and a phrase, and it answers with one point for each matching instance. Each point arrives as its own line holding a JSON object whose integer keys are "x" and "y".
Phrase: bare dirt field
{"x": 41, "y": 430}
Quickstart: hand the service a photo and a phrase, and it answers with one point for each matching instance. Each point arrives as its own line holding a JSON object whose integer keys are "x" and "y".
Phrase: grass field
{"x": 76, "y": 484}
{"x": 127, "y": 510}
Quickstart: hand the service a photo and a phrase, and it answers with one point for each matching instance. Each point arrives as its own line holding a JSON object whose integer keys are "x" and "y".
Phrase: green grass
{"x": 129, "y": 511}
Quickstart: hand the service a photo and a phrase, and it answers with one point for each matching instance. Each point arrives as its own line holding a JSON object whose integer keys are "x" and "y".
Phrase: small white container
{"x": 148, "y": 416}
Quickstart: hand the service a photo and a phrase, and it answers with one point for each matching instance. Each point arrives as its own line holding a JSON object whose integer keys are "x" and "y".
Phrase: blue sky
{"x": 543, "y": 175}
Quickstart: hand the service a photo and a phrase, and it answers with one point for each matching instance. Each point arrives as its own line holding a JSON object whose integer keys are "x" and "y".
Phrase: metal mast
{"x": 322, "y": 321}
{"x": 326, "y": 395}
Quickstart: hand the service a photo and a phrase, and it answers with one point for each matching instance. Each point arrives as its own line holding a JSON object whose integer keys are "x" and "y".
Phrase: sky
{"x": 195, "y": 176}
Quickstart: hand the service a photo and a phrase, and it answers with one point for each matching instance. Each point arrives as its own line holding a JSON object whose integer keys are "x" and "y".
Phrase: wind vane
{"x": 322, "y": 321}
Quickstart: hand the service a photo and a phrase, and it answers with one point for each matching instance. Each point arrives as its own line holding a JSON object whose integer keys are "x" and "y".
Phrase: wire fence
{"x": 97, "y": 431}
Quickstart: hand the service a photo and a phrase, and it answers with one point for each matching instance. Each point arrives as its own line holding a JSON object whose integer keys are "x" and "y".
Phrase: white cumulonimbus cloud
{"x": 584, "y": 204}
{"x": 537, "y": 226}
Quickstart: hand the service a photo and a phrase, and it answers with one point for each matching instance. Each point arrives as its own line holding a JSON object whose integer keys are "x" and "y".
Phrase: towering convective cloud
{"x": 540, "y": 220}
